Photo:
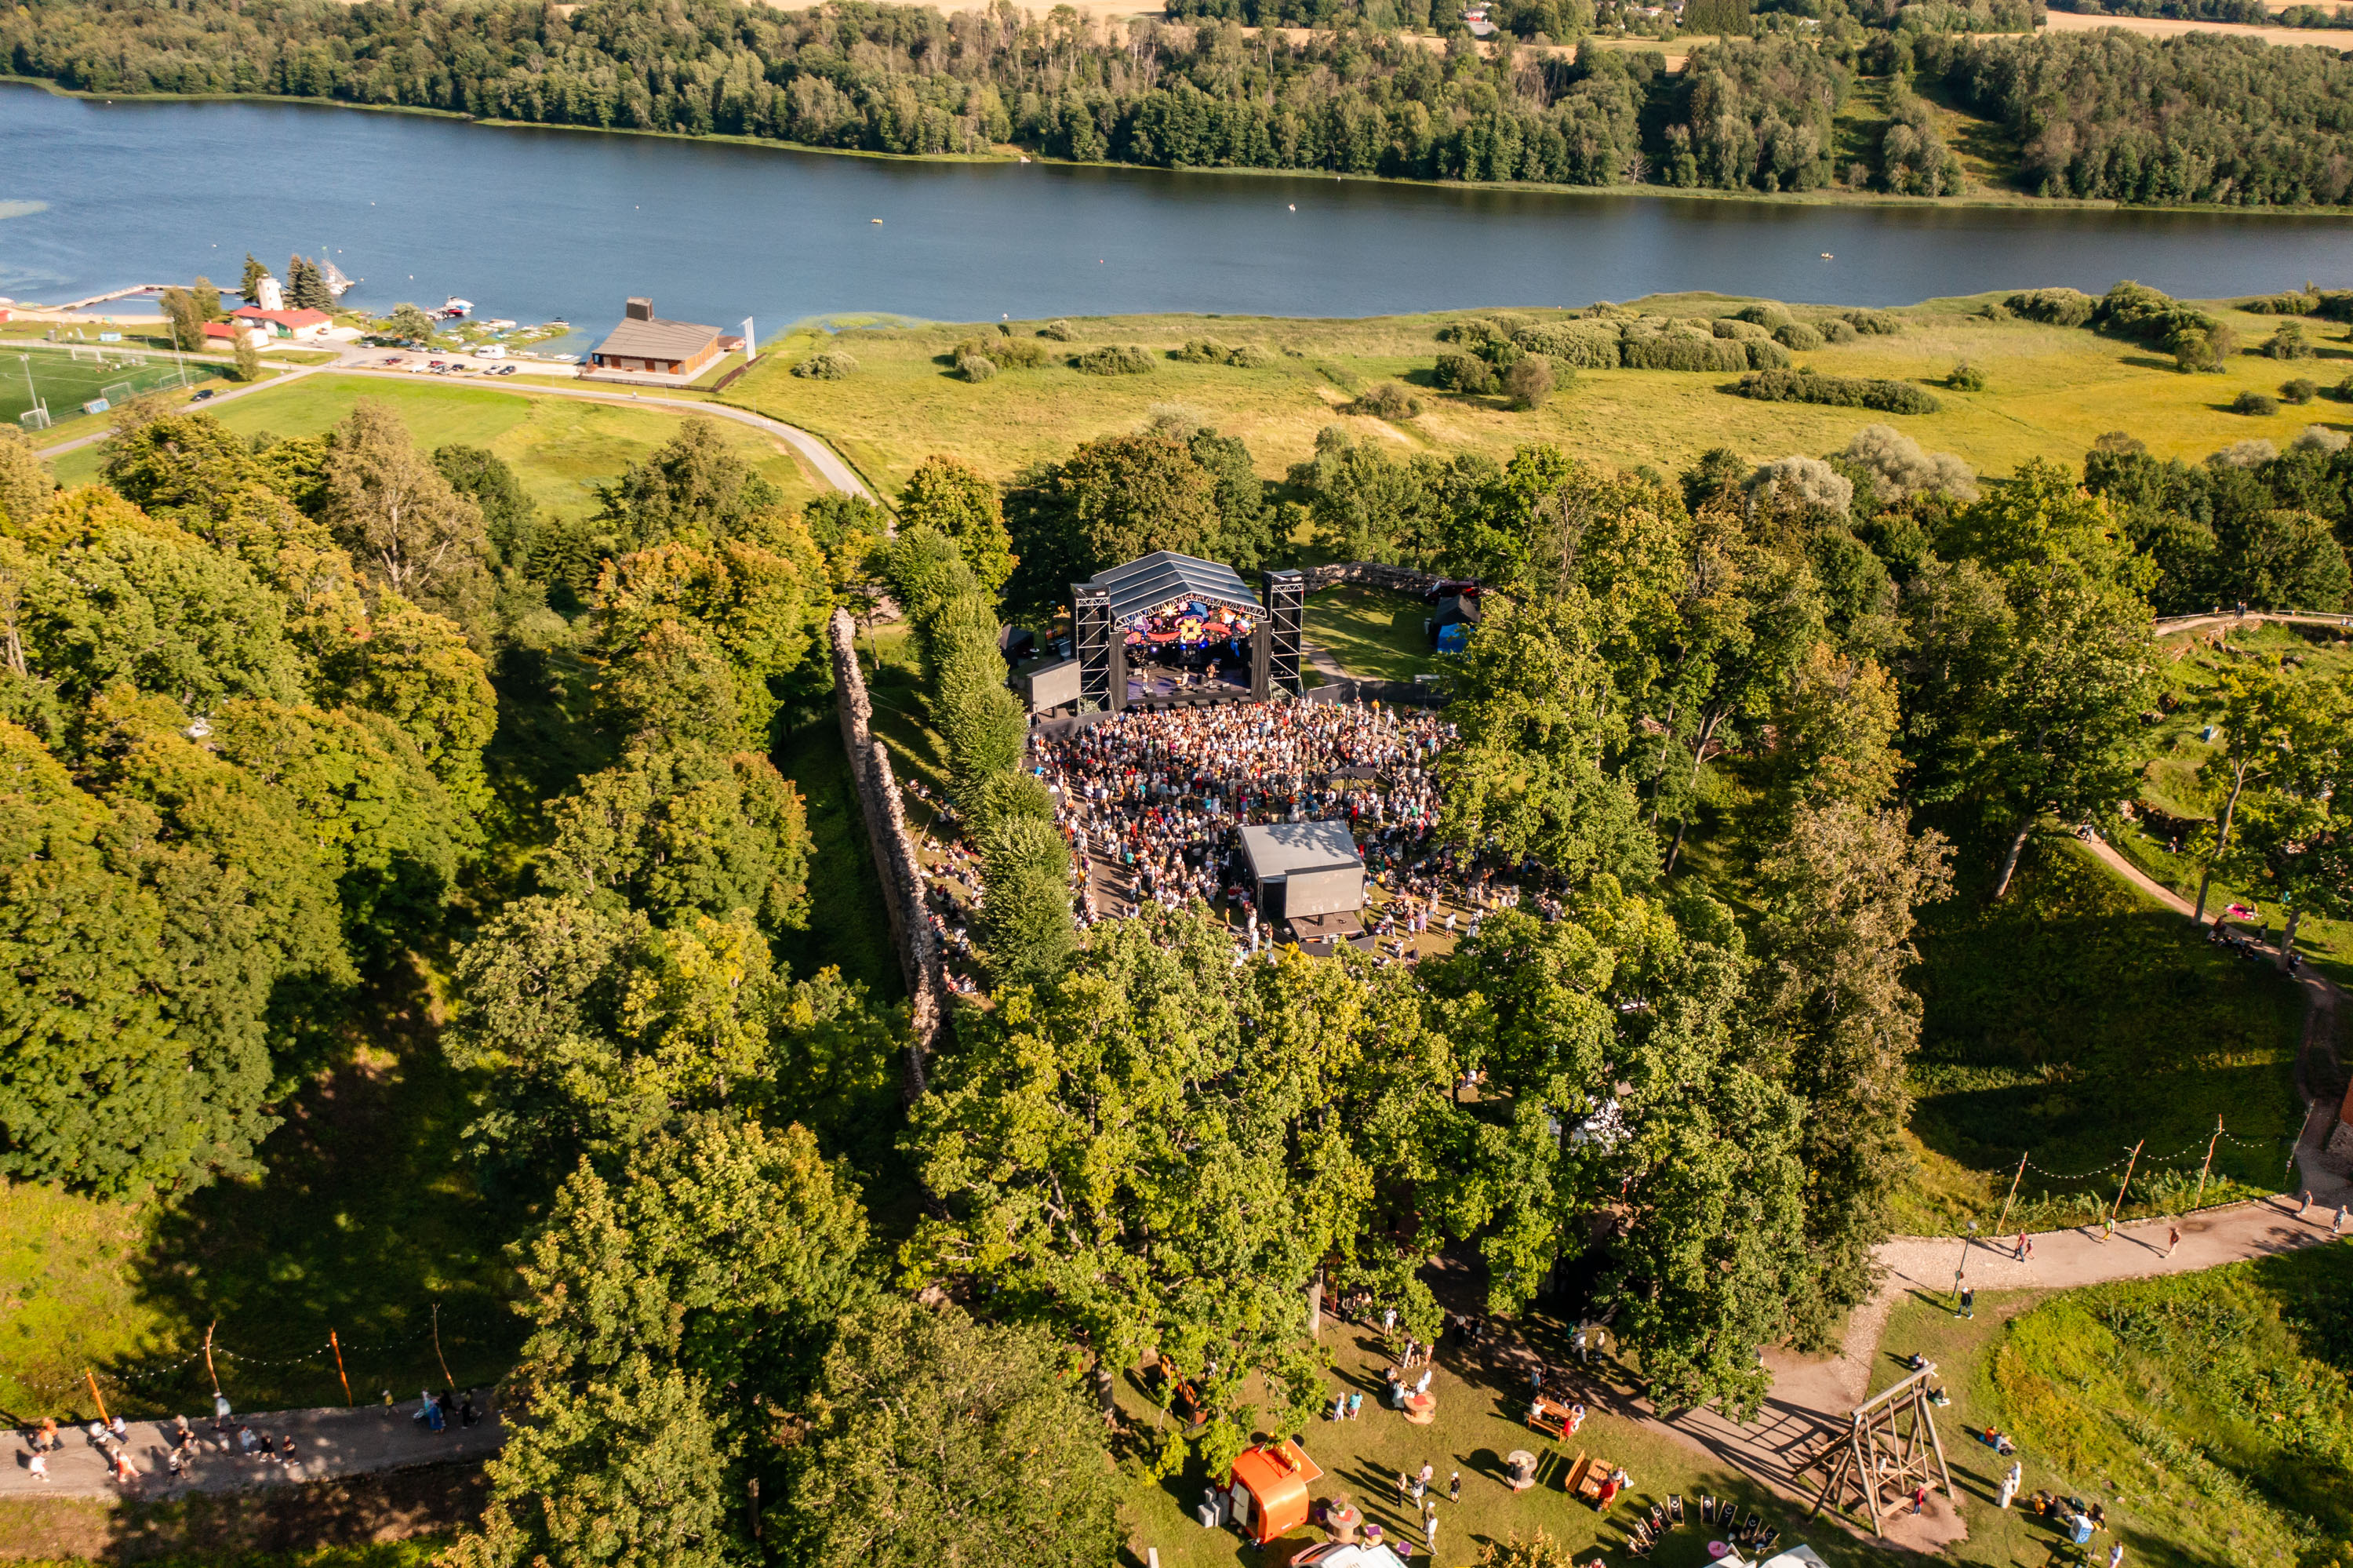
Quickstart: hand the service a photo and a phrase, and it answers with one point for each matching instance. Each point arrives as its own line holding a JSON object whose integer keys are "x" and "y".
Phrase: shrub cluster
{"x": 2287, "y": 342}
{"x": 1459, "y": 372}
{"x": 1113, "y": 359}
{"x": 1005, "y": 353}
{"x": 975, "y": 367}
{"x": 1727, "y": 346}
{"x": 1209, "y": 351}
{"x": 1798, "y": 336}
{"x": 1386, "y": 401}
{"x": 832, "y": 364}
{"x": 1841, "y": 391}
{"x": 1873, "y": 323}
{"x": 2292, "y": 304}
{"x": 2059, "y": 307}
{"x": 1060, "y": 331}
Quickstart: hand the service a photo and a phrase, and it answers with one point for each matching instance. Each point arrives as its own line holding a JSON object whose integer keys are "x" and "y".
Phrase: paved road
{"x": 828, "y": 464}
{"x": 327, "y": 1443}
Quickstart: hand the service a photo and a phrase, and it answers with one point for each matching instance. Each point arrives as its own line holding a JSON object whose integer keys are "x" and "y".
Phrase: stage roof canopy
{"x": 1152, "y": 581}
{"x": 1291, "y": 849}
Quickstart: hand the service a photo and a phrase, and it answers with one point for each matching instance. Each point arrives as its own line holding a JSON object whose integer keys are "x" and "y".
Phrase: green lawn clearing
{"x": 1371, "y": 631}
{"x": 561, "y": 448}
{"x": 2207, "y": 1413}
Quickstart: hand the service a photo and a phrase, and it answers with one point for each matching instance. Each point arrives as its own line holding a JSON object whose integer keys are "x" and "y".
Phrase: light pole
{"x": 1966, "y": 1242}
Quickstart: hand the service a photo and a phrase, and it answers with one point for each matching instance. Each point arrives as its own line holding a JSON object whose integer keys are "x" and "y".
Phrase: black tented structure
{"x": 1187, "y": 627}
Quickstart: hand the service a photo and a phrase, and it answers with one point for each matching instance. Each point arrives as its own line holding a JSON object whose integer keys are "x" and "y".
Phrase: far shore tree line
{"x": 2108, "y": 115}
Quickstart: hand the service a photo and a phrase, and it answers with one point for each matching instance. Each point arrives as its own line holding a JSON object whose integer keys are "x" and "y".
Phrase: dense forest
{"x": 249, "y": 701}
{"x": 2198, "y": 118}
{"x": 2098, "y": 115}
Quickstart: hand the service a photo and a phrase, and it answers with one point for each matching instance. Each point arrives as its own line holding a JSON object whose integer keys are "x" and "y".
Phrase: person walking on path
{"x": 1919, "y": 1500}
{"x": 2107, "y": 1229}
{"x": 2305, "y": 1207}
{"x": 1968, "y": 1306}
{"x": 2336, "y": 1226}
{"x": 2018, "y": 1254}
{"x": 39, "y": 1466}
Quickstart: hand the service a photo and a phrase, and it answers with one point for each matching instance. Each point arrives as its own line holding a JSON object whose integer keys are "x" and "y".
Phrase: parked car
{"x": 202, "y": 394}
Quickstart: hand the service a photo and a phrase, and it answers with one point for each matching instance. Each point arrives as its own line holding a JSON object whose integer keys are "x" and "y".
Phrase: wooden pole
{"x": 447, "y": 1380}
{"x": 208, "y": 1357}
{"x": 336, "y": 1346}
{"x": 2119, "y": 1206}
{"x": 92, "y": 1378}
{"x": 2209, "y": 1166}
{"x": 2002, "y": 1225}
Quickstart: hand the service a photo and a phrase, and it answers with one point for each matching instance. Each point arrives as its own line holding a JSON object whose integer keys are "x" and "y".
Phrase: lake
{"x": 535, "y": 223}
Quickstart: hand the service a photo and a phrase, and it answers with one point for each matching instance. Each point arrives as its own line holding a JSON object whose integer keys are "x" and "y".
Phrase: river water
{"x": 537, "y": 224}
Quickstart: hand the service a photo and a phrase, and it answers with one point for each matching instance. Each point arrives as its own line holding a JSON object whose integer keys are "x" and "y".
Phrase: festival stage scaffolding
{"x": 1110, "y": 609}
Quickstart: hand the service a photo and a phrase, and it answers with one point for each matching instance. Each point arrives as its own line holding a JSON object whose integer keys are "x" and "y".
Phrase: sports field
{"x": 63, "y": 380}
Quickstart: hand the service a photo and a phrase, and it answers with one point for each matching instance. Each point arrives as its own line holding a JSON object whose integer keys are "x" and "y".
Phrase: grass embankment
{"x": 2207, "y": 1411}
{"x": 1370, "y": 631}
{"x": 561, "y": 448}
{"x": 2161, "y": 842}
{"x": 2051, "y": 392}
{"x": 2072, "y": 1021}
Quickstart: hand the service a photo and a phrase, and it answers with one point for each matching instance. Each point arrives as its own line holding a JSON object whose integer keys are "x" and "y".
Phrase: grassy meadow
{"x": 2051, "y": 392}
{"x": 561, "y": 448}
{"x": 2206, "y": 1411}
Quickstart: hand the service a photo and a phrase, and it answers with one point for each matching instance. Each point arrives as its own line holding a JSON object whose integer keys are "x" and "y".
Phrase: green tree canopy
{"x": 943, "y": 494}
{"x": 678, "y": 830}
{"x": 916, "y": 1413}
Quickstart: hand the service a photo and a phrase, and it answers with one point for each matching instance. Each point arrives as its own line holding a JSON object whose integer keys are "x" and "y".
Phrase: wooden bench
{"x": 1577, "y": 1477}
{"x": 1588, "y": 1485}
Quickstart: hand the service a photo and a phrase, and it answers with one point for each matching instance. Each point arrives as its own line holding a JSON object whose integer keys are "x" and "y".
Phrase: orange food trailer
{"x": 1270, "y": 1488}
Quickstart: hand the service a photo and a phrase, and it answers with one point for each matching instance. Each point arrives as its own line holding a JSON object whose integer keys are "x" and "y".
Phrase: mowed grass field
{"x": 2051, "y": 392}
{"x": 561, "y": 448}
{"x": 63, "y": 384}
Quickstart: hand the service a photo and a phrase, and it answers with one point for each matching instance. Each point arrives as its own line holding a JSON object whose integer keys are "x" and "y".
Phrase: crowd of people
{"x": 1157, "y": 800}
{"x": 1152, "y": 803}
